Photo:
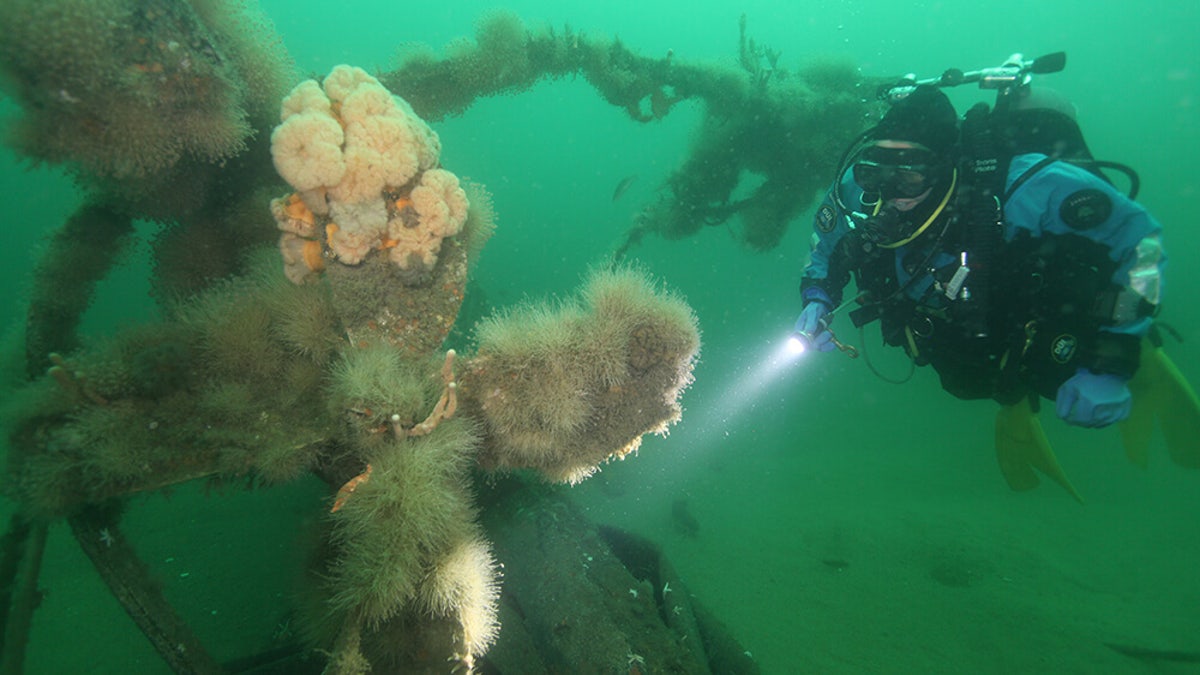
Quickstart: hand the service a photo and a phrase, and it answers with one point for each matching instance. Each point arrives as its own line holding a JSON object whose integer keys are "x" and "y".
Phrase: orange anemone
{"x": 312, "y": 255}
{"x": 296, "y": 209}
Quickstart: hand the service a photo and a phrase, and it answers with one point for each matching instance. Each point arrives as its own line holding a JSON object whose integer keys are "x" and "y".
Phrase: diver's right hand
{"x": 811, "y": 325}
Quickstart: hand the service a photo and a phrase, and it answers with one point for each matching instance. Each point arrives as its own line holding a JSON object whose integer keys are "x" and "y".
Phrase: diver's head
{"x": 911, "y": 151}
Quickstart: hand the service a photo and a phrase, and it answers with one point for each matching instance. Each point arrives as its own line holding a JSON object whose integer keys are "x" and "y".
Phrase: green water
{"x": 939, "y": 567}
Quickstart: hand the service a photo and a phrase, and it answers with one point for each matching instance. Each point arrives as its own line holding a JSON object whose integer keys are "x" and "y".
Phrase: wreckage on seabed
{"x": 334, "y": 367}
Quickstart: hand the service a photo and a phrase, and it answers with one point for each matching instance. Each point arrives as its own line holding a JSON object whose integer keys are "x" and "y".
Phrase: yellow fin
{"x": 1178, "y": 411}
{"x": 1012, "y": 437}
{"x": 1022, "y": 446}
{"x": 1138, "y": 428}
{"x": 1161, "y": 393}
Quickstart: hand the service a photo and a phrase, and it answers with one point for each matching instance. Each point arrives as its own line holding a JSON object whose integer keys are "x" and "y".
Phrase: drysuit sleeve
{"x": 1063, "y": 199}
{"x": 829, "y": 266}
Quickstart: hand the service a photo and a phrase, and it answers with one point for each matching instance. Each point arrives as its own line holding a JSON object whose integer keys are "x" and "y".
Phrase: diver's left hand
{"x": 1093, "y": 400}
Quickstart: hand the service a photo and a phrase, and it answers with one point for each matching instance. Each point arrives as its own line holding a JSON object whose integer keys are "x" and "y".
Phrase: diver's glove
{"x": 1094, "y": 400}
{"x": 816, "y": 307}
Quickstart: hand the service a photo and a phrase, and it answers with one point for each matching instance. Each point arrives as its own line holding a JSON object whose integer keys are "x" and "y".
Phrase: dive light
{"x": 801, "y": 341}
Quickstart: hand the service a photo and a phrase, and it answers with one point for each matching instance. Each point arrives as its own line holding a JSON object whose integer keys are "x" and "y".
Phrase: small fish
{"x": 1150, "y": 655}
{"x": 682, "y": 518}
{"x": 835, "y": 564}
{"x": 623, "y": 186}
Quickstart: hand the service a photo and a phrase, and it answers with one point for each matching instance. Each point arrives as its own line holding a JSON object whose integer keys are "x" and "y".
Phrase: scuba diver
{"x": 995, "y": 249}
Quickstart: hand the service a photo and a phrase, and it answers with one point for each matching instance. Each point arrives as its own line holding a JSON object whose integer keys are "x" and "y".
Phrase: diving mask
{"x": 892, "y": 181}
{"x": 896, "y": 173}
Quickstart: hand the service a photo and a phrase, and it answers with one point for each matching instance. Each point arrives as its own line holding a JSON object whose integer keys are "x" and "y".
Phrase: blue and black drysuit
{"x": 1070, "y": 289}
